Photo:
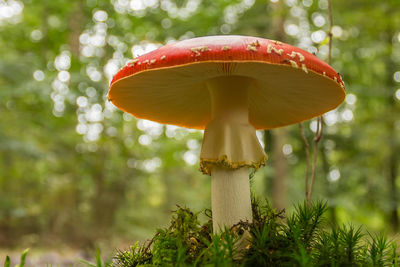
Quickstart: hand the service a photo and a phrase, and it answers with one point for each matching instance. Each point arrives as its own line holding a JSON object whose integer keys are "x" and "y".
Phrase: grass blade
{"x": 7, "y": 262}
{"x": 87, "y": 263}
{"x": 98, "y": 258}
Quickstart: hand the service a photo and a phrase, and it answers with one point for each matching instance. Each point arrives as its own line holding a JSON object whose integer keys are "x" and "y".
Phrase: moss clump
{"x": 301, "y": 239}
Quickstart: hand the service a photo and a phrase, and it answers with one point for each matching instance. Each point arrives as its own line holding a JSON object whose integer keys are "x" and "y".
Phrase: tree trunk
{"x": 279, "y": 136}
{"x": 279, "y": 183}
{"x": 393, "y": 158}
{"x": 393, "y": 170}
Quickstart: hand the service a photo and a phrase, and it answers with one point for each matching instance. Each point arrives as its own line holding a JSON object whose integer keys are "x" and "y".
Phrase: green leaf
{"x": 98, "y": 258}
{"x": 87, "y": 263}
{"x": 324, "y": 42}
{"x": 23, "y": 258}
{"x": 7, "y": 262}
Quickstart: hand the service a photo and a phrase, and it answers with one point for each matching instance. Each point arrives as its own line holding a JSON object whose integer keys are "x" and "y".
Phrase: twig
{"x": 320, "y": 123}
{"x": 317, "y": 138}
{"x": 307, "y": 148}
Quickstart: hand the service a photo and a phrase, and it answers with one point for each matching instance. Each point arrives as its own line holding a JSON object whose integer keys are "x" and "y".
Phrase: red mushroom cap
{"x": 168, "y": 85}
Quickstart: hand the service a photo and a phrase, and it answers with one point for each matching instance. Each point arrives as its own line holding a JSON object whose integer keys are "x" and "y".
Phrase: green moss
{"x": 273, "y": 239}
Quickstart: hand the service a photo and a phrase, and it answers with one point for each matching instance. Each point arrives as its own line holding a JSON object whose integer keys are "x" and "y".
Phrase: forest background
{"x": 77, "y": 173}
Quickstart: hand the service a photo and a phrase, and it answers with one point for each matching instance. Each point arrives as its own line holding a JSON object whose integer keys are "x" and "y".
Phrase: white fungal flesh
{"x": 271, "y": 48}
{"x": 230, "y": 187}
{"x": 233, "y": 205}
{"x": 132, "y": 62}
{"x": 256, "y": 43}
{"x": 252, "y": 48}
{"x": 163, "y": 57}
{"x": 225, "y": 48}
{"x": 153, "y": 61}
{"x": 198, "y": 50}
{"x": 276, "y": 42}
{"x": 304, "y": 67}
{"x": 294, "y": 54}
{"x": 293, "y": 63}
{"x": 194, "y": 50}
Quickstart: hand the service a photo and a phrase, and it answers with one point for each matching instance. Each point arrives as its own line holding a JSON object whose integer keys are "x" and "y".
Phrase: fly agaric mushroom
{"x": 230, "y": 86}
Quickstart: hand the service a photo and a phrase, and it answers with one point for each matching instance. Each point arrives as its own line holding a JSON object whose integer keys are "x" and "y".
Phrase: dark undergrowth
{"x": 302, "y": 238}
{"x": 273, "y": 239}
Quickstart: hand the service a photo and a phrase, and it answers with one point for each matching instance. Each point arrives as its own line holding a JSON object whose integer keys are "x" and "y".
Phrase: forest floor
{"x": 49, "y": 257}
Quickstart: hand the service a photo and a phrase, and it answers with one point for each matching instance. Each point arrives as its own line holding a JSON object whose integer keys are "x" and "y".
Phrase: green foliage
{"x": 99, "y": 261}
{"x": 182, "y": 241}
{"x": 301, "y": 239}
{"x": 136, "y": 256}
{"x": 343, "y": 246}
{"x": 7, "y": 262}
{"x": 379, "y": 250}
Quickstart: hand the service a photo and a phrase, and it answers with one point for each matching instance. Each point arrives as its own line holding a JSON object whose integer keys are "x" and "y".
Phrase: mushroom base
{"x": 230, "y": 197}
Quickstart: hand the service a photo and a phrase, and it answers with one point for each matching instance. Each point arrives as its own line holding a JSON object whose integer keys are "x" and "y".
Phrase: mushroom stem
{"x": 230, "y": 197}
{"x": 229, "y": 129}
